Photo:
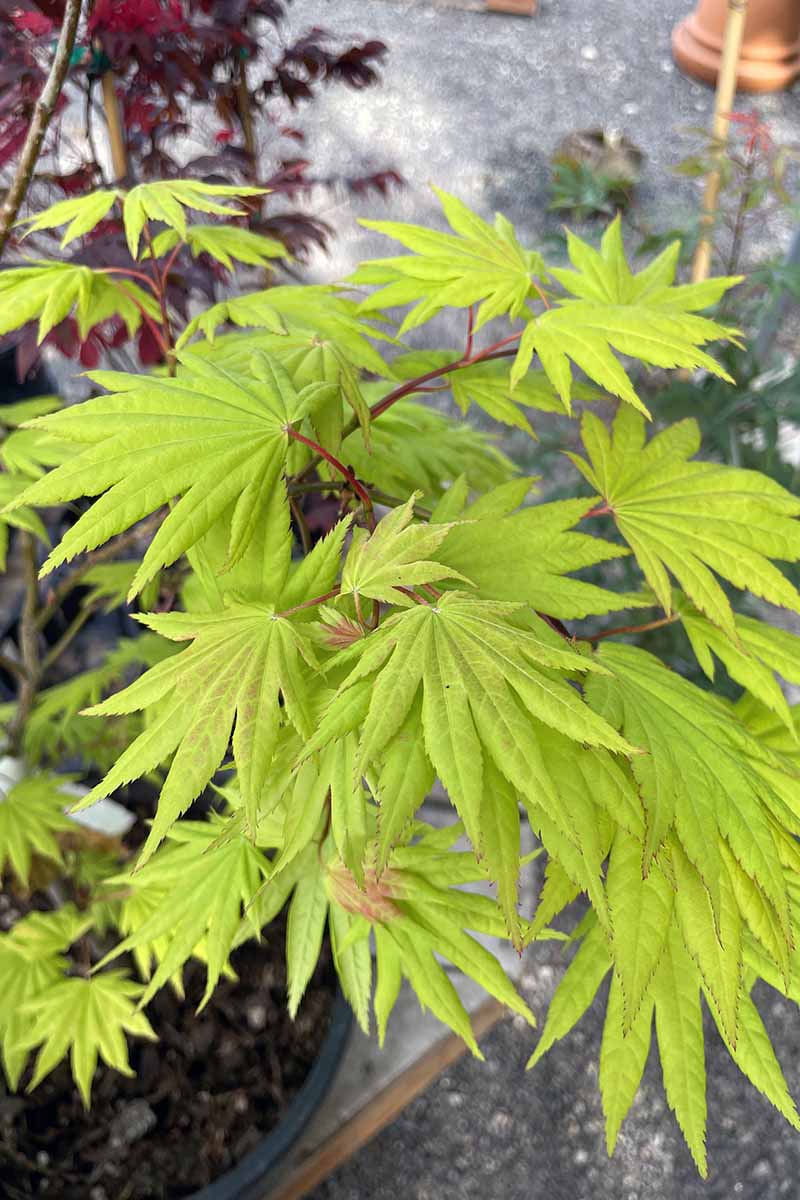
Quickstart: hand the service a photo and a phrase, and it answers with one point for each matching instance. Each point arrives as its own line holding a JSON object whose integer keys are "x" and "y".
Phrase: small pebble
{"x": 256, "y": 1017}
{"x": 43, "y": 1159}
{"x": 132, "y": 1122}
{"x": 631, "y": 110}
{"x": 762, "y": 1169}
{"x": 455, "y": 1099}
{"x": 580, "y": 1157}
{"x": 501, "y": 1122}
{"x": 589, "y": 53}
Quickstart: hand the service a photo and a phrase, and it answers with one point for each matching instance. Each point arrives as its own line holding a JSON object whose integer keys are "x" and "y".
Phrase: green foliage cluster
{"x": 439, "y": 629}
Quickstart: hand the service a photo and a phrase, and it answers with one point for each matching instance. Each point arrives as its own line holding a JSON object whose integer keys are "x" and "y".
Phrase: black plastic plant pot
{"x": 247, "y": 1181}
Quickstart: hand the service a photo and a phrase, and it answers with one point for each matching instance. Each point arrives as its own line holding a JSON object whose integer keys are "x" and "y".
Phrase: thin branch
{"x": 161, "y": 284}
{"x": 104, "y": 554}
{"x": 12, "y": 667}
{"x": 142, "y": 276}
{"x": 309, "y": 603}
{"x": 412, "y": 385}
{"x": 152, "y": 326}
{"x": 555, "y": 624}
{"x": 28, "y": 644}
{"x": 42, "y": 114}
{"x": 170, "y": 263}
{"x": 341, "y": 485}
{"x": 620, "y": 629}
{"x": 470, "y": 330}
{"x": 358, "y": 488}
{"x": 72, "y": 630}
{"x": 495, "y": 351}
{"x": 301, "y": 523}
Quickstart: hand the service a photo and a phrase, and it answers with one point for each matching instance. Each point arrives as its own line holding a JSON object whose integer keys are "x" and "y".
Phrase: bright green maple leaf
{"x": 243, "y": 660}
{"x": 224, "y": 243}
{"x": 482, "y": 670}
{"x": 79, "y": 213}
{"x": 204, "y": 882}
{"x": 623, "y": 1054}
{"x": 85, "y": 1018}
{"x": 414, "y": 447}
{"x": 31, "y": 961}
{"x": 309, "y": 357}
{"x": 637, "y": 315}
{"x": 32, "y": 451}
{"x": 393, "y": 557}
{"x": 50, "y": 291}
{"x": 31, "y": 817}
{"x": 696, "y": 779}
{"x": 209, "y": 438}
{"x": 476, "y": 262}
{"x": 762, "y": 651}
{"x": 690, "y": 519}
{"x": 641, "y": 915}
{"x": 417, "y": 911}
{"x": 576, "y": 990}
{"x": 488, "y": 385}
{"x": 681, "y": 1047}
{"x": 22, "y": 517}
{"x": 319, "y": 308}
{"x": 166, "y": 199}
{"x": 528, "y": 556}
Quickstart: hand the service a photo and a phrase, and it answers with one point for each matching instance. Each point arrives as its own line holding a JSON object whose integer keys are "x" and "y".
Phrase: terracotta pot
{"x": 521, "y": 8}
{"x": 770, "y": 57}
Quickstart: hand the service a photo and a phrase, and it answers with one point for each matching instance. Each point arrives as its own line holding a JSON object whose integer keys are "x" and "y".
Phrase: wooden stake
{"x": 116, "y": 136}
{"x": 519, "y": 8}
{"x": 726, "y": 90}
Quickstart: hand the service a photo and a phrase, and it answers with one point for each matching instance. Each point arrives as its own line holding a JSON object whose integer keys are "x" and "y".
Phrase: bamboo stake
{"x": 43, "y": 111}
{"x": 726, "y": 90}
{"x": 116, "y": 137}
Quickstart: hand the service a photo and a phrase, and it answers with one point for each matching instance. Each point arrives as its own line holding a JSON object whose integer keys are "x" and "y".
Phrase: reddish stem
{"x": 554, "y": 623}
{"x": 620, "y": 629}
{"x": 540, "y": 292}
{"x": 153, "y": 327}
{"x": 413, "y": 385}
{"x": 358, "y": 488}
{"x": 161, "y": 292}
{"x": 140, "y": 275}
{"x": 413, "y": 595}
{"x": 602, "y": 510}
{"x": 170, "y": 263}
{"x": 470, "y": 330}
{"x": 309, "y": 603}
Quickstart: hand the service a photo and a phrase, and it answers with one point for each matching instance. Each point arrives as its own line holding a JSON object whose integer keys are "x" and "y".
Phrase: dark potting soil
{"x": 204, "y": 1095}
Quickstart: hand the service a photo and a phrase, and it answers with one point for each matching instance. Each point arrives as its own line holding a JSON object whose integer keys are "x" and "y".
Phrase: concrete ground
{"x": 476, "y": 103}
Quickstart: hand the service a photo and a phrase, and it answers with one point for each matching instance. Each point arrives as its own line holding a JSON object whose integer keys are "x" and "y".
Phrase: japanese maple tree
{"x": 348, "y": 594}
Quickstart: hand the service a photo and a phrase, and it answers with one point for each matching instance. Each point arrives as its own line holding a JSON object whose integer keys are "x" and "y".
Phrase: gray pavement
{"x": 492, "y": 1131}
{"x": 476, "y": 103}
